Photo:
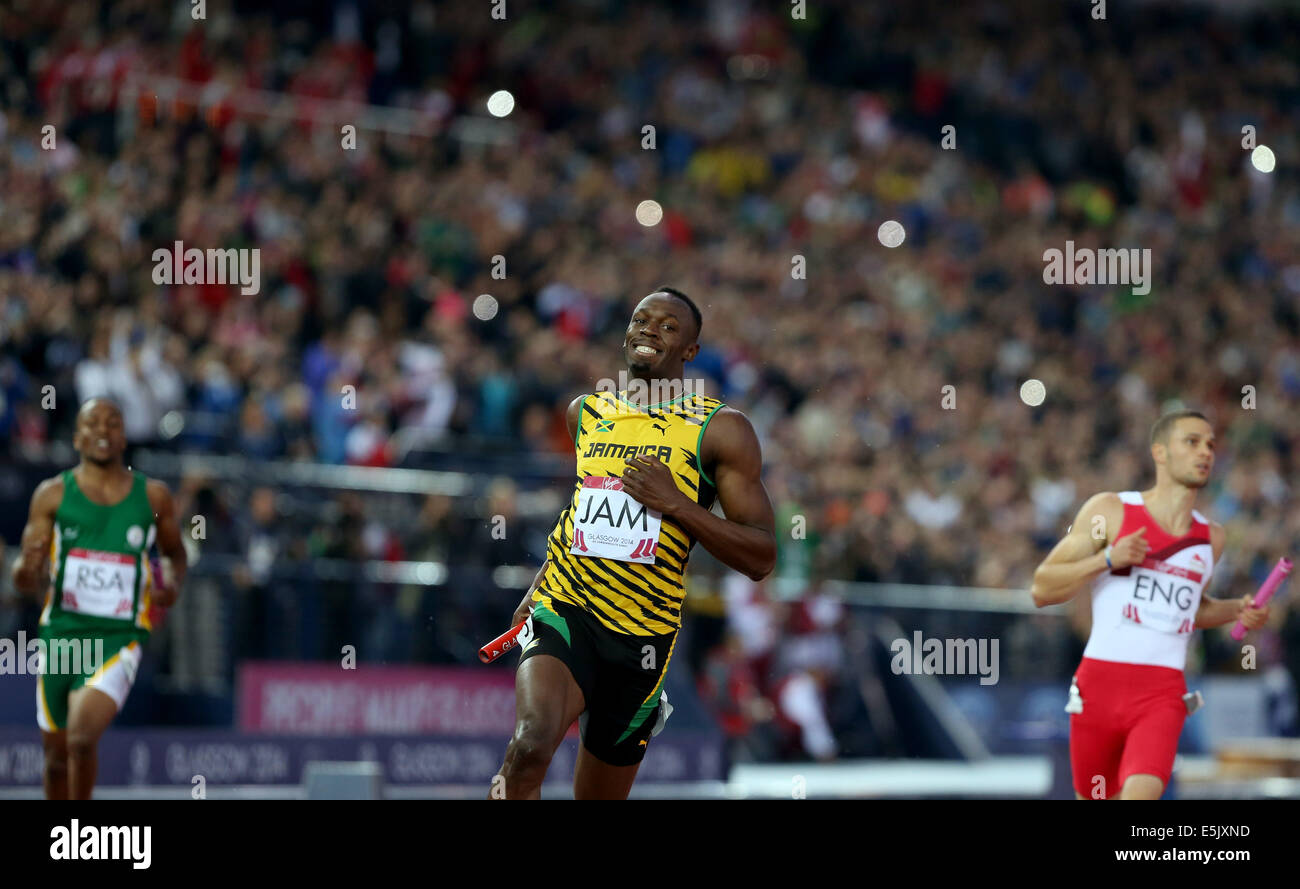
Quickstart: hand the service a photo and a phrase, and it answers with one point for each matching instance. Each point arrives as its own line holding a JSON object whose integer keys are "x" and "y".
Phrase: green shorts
{"x": 107, "y": 662}
{"x": 621, "y": 678}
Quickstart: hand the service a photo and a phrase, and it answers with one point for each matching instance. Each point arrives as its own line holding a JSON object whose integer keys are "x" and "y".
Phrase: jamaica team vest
{"x": 99, "y": 562}
{"x": 617, "y": 559}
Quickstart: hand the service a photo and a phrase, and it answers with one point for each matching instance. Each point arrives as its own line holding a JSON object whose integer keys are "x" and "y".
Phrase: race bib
{"x": 609, "y": 524}
{"x": 99, "y": 584}
{"x": 1163, "y": 603}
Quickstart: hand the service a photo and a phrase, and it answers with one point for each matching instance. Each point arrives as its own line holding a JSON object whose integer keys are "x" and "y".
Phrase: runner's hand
{"x": 649, "y": 481}
{"x": 523, "y": 611}
{"x": 1130, "y": 550}
{"x": 1252, "y": 618}
{"x": 164, "y": 582}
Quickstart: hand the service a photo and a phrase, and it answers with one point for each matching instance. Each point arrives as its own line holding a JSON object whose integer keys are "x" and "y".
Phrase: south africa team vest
{"x": 99, "y": 563}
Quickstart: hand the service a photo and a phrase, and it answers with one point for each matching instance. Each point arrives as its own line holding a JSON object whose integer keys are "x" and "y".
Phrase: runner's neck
{"x": 1171, "y": 507}
{"x": 100, "y": 478}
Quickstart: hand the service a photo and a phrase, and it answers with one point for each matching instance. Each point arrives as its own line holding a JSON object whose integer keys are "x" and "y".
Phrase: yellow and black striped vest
{"x": 631, "y": 598}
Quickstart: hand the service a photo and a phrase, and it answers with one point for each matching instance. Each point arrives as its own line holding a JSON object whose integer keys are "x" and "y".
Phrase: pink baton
{"x": 1266, "y": 591}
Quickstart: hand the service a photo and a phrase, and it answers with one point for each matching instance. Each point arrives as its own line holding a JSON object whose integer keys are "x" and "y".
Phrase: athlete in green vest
{"x": 86, "y": 550}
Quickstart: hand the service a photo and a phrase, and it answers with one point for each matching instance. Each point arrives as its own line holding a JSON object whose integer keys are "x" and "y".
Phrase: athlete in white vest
{"x": 1146, "y": 558}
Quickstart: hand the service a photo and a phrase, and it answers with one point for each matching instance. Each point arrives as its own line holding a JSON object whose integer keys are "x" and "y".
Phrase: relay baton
{"x": 156, "y": 612}
{"x": 501, "y": 644}
{"x": 1275, "y": 578}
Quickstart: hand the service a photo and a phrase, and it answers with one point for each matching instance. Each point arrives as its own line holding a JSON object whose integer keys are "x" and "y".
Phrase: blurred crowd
{"x": 991, "y": 131}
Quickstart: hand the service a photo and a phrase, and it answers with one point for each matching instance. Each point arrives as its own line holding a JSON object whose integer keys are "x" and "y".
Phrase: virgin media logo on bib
{"x": 1195, "y": 574}
{"x": 609, "y": 524}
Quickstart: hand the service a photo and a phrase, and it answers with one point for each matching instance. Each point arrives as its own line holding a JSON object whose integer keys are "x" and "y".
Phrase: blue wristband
{"x": 1106, "y": 553}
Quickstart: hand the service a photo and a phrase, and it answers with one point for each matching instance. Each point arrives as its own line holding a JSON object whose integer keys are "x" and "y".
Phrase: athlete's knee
{"x": 56, "y": 763}
{"x": 1142, "y": 787}
{"x": 81, "y": 744}
{"x": 530, "y": 749}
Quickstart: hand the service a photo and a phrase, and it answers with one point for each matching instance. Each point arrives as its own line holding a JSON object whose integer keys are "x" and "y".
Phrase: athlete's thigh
{"x": 1096, "y": 749}
{"x": 97, "y": 698}
{"x": 90, "y": 711}
{"x": 1152, "y": 740}
{"x": 624, "y": 706}
{"x": 52, "y": 691}
{"x": 547, "y": 698}
{"x": 594, "y": 779}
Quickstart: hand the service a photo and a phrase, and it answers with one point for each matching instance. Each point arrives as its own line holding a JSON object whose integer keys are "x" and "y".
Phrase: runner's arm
{"x": 31, "y": 572}
{"x": 526, "y": 604}
{"x": 571, "y": 419}
{"x": 1078, "y": 557}
{"x": 746, "y": 539}
{"x": 1217, "y": 612}
{"x": 175, "y": 562}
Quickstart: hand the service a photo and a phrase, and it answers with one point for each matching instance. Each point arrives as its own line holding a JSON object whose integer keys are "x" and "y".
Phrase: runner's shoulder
{"x": 48, "y": 493}
{"x": 1217, "y": 537}
{"x": 573, "y": 414}
{"x": 157, "y": 491}
{"x": 1104, "y": 500}
{"x": 1104, "y": 503}
{"x": 726, "y": 421}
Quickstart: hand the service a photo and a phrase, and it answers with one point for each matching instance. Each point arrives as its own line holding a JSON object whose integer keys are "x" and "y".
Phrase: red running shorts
{"x": 1132, "y": 717}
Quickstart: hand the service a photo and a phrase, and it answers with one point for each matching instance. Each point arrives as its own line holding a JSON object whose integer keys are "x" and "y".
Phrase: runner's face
{"x": 1190, "y": 452}
{"x": 100, "y": 436}
{"x": 664, "y": 325}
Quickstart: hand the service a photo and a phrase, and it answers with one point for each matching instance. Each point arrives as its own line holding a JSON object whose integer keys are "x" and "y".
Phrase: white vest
{"x": 1145, "y": 614}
